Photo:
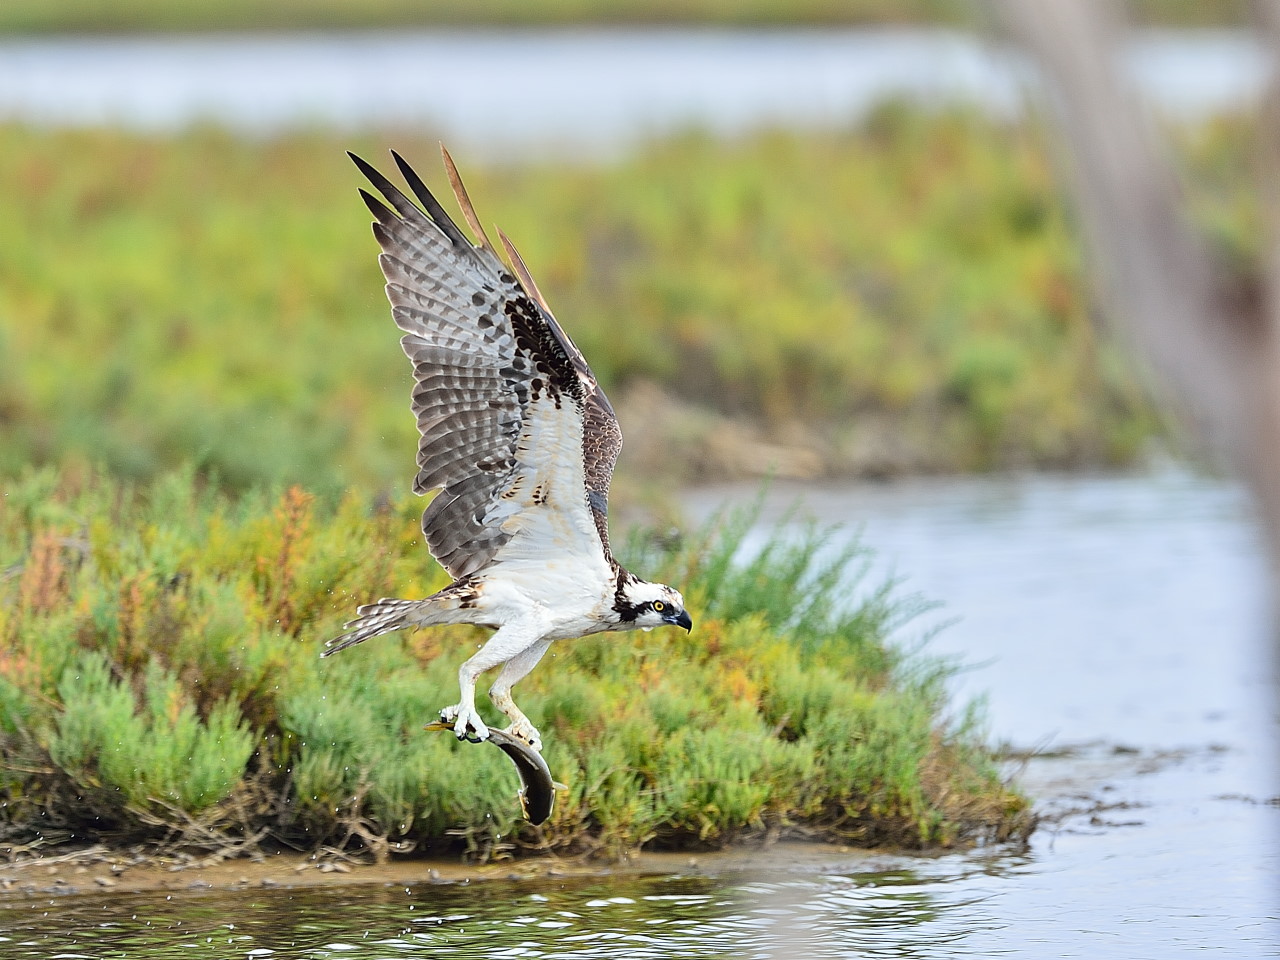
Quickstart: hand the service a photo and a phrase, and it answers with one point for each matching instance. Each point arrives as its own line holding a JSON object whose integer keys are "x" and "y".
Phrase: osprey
{"x": 519, "y": 442}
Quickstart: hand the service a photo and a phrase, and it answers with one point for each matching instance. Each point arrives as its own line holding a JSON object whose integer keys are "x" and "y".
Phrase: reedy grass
{"x": 159, "y": 675}
{"x": 909, "y": 290}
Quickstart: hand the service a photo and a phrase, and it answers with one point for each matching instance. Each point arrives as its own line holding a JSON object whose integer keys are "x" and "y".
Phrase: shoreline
{"x": 98, "y": 870}
{"x": 1069, "y": 783}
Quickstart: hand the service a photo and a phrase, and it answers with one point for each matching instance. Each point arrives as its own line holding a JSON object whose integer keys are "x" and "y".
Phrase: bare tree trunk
{"x": 1216, "y": 352}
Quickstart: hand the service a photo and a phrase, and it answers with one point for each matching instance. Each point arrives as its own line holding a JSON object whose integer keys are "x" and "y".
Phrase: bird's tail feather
{"x": 375, "y": 618}
{"x": 456, "y": 603}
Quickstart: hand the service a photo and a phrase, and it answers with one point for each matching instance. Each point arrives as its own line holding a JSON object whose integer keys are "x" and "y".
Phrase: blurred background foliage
{"x": 905, "y": 295}
{"x": 141, "y": 15}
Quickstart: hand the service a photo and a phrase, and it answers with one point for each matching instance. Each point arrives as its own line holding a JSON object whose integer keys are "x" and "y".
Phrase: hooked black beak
{"x": 683, "y": 620}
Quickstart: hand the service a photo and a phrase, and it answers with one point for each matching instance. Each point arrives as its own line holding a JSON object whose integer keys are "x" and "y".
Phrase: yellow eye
{"x": 659, "y": 605}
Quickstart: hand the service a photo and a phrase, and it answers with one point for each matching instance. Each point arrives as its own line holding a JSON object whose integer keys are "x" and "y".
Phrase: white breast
{"x": 569, "y": 597}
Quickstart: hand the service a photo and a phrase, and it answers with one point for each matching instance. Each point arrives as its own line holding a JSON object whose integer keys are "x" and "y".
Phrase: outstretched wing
{"x": 516, "y": 434}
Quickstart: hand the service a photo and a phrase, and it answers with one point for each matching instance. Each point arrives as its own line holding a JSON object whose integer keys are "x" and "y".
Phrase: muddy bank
{"x": 670, "y": 439}
{"x": 674, "y": 442}
{"x": 1074, "y": 790}
{"x": 94, "y": 870}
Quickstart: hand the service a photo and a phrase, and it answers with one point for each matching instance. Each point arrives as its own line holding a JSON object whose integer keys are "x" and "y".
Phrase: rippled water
{"x": 649, "y": 917}
{"x": 935, "y": 909}
{"x": 1123, "y": 617}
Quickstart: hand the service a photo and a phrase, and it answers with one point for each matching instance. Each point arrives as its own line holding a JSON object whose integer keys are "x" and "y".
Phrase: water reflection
{"x": 900, "y": 913}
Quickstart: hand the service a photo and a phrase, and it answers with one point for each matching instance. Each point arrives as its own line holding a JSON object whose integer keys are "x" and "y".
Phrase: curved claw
{"x": 526, "y": 732}
{"x": 466, "y": 724}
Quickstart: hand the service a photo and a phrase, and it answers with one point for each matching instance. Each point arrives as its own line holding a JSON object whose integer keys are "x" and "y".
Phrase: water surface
{"x": 513, "y": 93}
{"x": 883, "y": 914}
{"x": 1124, "y": 609}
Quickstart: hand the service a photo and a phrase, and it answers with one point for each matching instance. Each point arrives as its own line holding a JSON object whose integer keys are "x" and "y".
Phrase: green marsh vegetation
{"x": 159, "y": 680}
{"x": 905, "y": 296}
{"x": 40, "y": 16}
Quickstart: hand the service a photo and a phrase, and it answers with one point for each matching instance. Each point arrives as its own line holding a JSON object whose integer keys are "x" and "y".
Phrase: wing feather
{"x": 402, "y": 204}
{"x": 464, "y": 202}
{"x": 428, "y": 200}
{"x": 500, "y": 391}
{"x": 526, "y": 278}
{"x": 602, "y": 436}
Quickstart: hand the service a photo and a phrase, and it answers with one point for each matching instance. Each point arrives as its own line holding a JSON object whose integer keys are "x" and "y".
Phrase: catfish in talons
{"x": 537, "y": 787}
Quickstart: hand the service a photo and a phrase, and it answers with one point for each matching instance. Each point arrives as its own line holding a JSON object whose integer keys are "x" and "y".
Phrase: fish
{"x": 537, "y": 794}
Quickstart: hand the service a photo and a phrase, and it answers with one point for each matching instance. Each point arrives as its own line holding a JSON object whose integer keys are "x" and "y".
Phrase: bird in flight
{"x": 518, "y": 441}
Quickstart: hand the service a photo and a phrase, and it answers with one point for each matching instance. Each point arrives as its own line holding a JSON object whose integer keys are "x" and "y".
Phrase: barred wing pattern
{"x": 501, "y": 393}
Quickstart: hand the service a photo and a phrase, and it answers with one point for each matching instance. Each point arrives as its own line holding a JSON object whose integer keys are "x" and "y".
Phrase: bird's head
{"x": 644, "y": 605}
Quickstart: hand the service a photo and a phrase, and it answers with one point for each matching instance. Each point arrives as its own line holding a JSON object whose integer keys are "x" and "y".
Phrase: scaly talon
{"x": 524, "y": 730}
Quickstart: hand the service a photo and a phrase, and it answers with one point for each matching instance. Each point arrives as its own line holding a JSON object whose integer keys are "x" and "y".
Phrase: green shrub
{"x": 162, "y": 753}
{"x": 159, "y": 672}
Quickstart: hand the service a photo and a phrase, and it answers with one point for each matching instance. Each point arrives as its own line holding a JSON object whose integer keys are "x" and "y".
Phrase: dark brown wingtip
{"x": 380, "y": 210}
{"x": 367, "y": 168}
{"x": 402, "y": 204}
{"x": 429, "y": 202}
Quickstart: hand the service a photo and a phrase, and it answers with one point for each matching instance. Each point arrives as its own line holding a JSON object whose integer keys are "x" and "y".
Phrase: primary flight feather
{"x": 519, "y": 443}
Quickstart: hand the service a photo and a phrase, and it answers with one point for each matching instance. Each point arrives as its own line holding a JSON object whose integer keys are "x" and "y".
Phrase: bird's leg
{"x": 508, "y": 642}
{"x": 500, "y": 693}
{"x": 466, "y": 721}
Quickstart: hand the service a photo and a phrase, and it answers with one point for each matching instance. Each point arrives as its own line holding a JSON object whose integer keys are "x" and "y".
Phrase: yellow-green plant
{"x": 160, "y": 672}
{"x": 159, "y": 752}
